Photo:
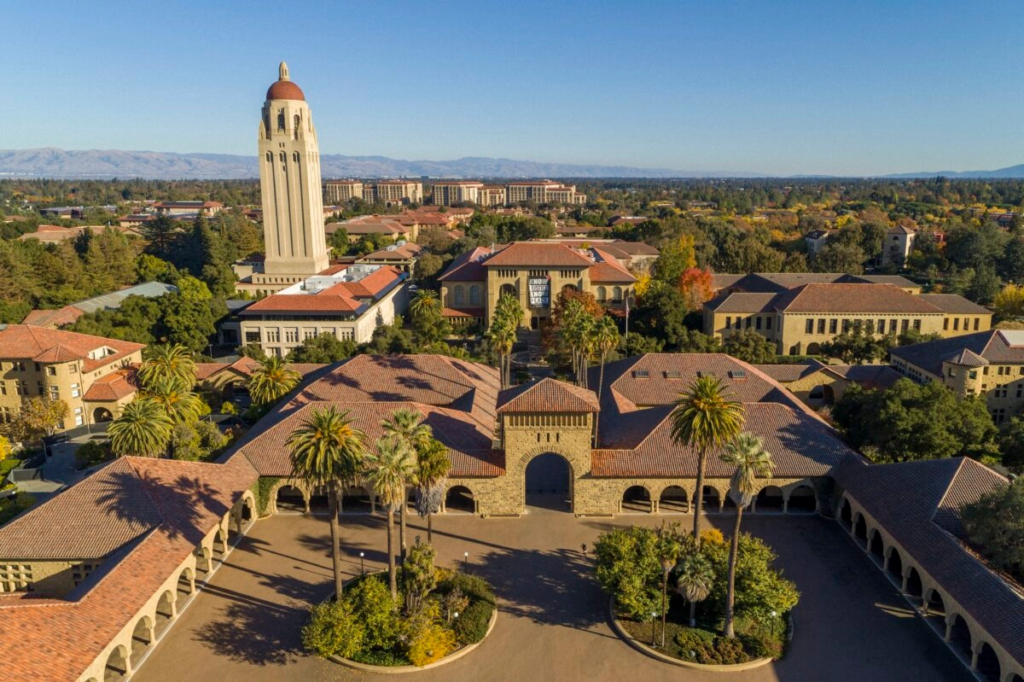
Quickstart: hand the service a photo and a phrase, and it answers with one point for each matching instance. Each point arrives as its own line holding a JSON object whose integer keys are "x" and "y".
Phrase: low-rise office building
{"x": 345, "y": 301}
{"x": 340, "y": 191}
{"x": 171, "y": 208}
{"x": 90, "y": 374}
{"x": 799, "y": 320}
{"x": 450, "y": 192}
{"x": 988, "y": 364}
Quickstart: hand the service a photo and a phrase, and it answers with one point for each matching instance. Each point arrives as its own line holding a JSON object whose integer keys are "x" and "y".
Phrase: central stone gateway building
{"x": 553, "y": 444}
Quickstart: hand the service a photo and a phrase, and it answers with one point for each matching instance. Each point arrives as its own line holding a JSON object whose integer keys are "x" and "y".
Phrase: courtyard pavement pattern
{"x": 851, "y": 623}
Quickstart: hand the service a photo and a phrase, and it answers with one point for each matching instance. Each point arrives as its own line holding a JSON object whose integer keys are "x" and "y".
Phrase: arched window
{"x": 270, "y": 157}
{"x": 474, "y": 294}
{"x": 280, "y": 119}
{"x": 295, "y": 157}
{"x": 460, "y": 295}
{"x": 602, "y": 294}
{"x": 284, "y": 159}
{"x": 617, "y": 295}
{"x": 298, "y": 124}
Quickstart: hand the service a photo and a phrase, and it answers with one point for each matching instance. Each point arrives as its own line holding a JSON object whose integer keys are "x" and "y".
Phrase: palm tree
{"x": 389, "y": 470}
{"x": 752, "y": 461}
{"x": 669, "y": 550}
{"x": 272, "y": 380}
{"x": 407, "y": 426}
{"x": 705, "y": 417}
{"x": 142, "y": 428}
{"x": 576, "y": 330}
{"x": 606, "y": 339}
{"x": 180, "y": 404}
{"x": 425, "y": 301}
{"x": 508, "y": 316}
{"x": 167, "y": 362}
{"x": 695, "y": 580}
{"x": 431, "y": 476}
{"x": 328, "y": 452}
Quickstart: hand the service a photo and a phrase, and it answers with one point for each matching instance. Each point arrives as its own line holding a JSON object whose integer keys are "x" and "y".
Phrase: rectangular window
{"x": 846, "y": 326}
{"x": 904, "y": 325}
{"x": 51, "y": 371}
{"x": 821, "y": 326}
{"x": 956, "y": 324}
{"x": 757, "y": 322}
{"x": 809, "y": 327}
{"x": 75, "y": 392}
{"x": 748, "y": 323}
{"x": 833, "y": 325}
{"x": 945, "y": 324}
{"x": 917, "y": 325}
{"x": 881, "y": 327}
{"x": 977, "y": 323}
{"x": 768, "y": 325}
{"x": 728, "y": 322}
{"x": 252, "y": 337}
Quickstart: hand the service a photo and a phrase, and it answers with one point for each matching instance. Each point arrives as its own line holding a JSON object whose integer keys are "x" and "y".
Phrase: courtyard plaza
{"x": 851, "y": 623}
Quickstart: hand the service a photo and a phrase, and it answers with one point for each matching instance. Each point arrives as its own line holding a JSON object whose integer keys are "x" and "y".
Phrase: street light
{"x": 362, "y": 563}
{"x": 654, "y": 622}
{"x": 465, "y": 563}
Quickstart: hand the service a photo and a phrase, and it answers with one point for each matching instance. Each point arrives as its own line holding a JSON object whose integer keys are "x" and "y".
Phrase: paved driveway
{"x": 850, "y": 625}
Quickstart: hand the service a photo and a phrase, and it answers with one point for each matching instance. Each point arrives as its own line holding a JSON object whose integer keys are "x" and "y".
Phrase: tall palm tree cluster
{"x": 330, "y": 454}
{"x": 165, "y": 399}
{"x": 586, "y": 334}
{"x": 508, "y": 316}
{"x": 707, "y": 418}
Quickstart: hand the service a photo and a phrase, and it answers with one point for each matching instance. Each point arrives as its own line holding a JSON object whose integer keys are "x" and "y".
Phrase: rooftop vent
{"x": 738, "y": 374}
{"x": 673, "y": 374}
{"x": 641, "y": 374}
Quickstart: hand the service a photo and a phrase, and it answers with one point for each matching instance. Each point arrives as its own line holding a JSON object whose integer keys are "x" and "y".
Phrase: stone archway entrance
{"x": 101, "y": 415}
{"x": 548, "y": 482}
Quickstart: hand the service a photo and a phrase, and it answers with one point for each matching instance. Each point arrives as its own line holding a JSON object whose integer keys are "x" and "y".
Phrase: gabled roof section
{"x": 852, "y": 298}
{"x": 998, "y": 346}
{"x": 537, "y": 254}
{"x": 40, "y": 344}
{"x": 547, "y": 395}
{"x": 954, "y": 303}
{"x": 467, "y": 267}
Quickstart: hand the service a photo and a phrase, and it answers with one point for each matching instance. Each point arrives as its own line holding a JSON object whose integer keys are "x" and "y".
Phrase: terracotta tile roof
{"x": 112, "y": 387}
{"x": 19, "y": 341}
{"x": 765, "y": 282}
{"x": 57, "y": 318}
{"x": 868, "y": 376}
{"x": 852, "y": 298}
{"x": 346, "y": 297}
{"x": 464, "y": 312}
{"x": 161, "y": 508}
{"x": 742, "y": 302}
{"x": 245, "y": 366}
{"x": 467, "y": 267}
{"x": 539, "y": 254}
{"x": 800, "y": 444}
{"x": 790, "y": 372}
{"x": 607, "y": 268}
{"x": 918, "y": 504}
{"x": 954, "y": 303}
{"x": 204, "y": 370}
{"x": 547, "y": 395}
{"x": 998, "y": 346}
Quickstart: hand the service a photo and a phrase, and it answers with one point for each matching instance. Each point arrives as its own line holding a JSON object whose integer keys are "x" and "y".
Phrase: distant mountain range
{"x": 59, "y": 163}
{"x": 93, "y": 163}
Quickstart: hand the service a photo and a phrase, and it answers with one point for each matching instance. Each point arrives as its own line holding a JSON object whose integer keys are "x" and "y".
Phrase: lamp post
{"x": 362, "y": 563}
{"x": 774, "y": 614}
{"x": 465, "y": 563}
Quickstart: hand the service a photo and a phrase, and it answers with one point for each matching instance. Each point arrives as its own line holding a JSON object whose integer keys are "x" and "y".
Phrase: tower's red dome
{"x": 284, "y": 88}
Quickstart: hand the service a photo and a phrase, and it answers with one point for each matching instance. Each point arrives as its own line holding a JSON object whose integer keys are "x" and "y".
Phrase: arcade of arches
{"x": 953, "y": 623}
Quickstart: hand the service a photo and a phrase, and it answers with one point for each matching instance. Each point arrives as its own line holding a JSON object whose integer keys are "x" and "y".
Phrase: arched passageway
{"x": 820, "y": 395}
{"x": 988, "y": 664}
{"x": 878, "y": 547}
{"x": 204, "y": 561}
{"x": 636, "y": 499}
{"x": 459, "y": 499}
{"x": 959, "y": 636}
{"x": 935, "y": 604}
{"x": 117, "y": 665}
{"x": 895, "y": 565}
{"x": 673, "y": 500}
{"x": 142, "y": 637}
{"x": 101, "y": 415}
{"x": 914, "y": 586}
{"x": 355, "y": 500}
{"x": 802, "y": 500}
{"x": 712, "y": 500}
{"x": 846, "y": 515}
{"x": 549, "y": 482}
{"x": 860, "y": 529}
{"x": 185, "y": 584}
{"x": 770, "y": 499}
{"x": 319, "y": 501}
{"x": 290, "y": 500}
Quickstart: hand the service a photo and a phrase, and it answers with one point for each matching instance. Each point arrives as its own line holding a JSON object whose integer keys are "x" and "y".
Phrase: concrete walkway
{"x": 850, "y": 625}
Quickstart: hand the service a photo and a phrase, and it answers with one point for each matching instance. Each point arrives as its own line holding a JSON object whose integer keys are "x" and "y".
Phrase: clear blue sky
{"x": 855, "y": 87}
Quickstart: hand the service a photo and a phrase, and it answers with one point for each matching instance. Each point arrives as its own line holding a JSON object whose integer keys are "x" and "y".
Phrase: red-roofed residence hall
{"x": 89, "y": 373}
{"x": 534, "y": 272}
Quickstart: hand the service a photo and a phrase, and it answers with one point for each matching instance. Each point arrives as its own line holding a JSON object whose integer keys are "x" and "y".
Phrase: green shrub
{"x": 380, "y": 657}
{"x": 476, "y": 589}
{"x": 708, "y": 648}
{"x": 93, "y": 453}
{"x": 334, "y": 630}
{"x": 373, "y": 604}
{"x": 471, "y": 625}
